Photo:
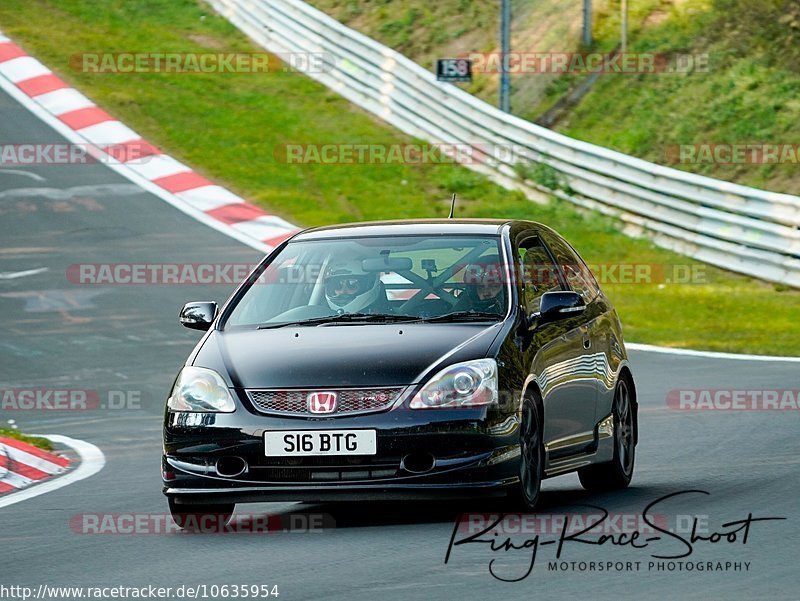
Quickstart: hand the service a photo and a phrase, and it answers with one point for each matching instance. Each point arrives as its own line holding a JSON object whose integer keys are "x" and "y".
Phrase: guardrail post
{"x": 587, "y": 23}
{"x": 505, "y": 49}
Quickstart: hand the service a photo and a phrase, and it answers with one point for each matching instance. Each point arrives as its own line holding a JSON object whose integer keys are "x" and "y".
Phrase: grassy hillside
{"x": 750, "y": 93}
{"x": 229, "y": 126}
{"x": 426, "y": 31}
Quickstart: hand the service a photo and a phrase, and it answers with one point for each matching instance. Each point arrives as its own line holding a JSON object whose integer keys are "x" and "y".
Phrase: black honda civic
{"x": 402, "y": 360}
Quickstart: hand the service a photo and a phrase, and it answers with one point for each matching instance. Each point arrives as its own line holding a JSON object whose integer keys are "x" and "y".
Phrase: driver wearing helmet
{"x": 483, "y": 290}
{"x": 350, "y": 289}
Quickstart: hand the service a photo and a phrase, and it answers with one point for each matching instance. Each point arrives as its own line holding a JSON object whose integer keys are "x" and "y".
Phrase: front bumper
{"x": 471, "y": 452}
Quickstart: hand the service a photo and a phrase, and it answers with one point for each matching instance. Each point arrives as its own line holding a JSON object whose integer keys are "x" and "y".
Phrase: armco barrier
{"x": 743, "y": 229}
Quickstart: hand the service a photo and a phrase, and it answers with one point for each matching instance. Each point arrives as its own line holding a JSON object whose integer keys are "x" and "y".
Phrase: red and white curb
{"x": 27, "y": 471}
{"x": 22, "y": 464}
{"x": 82, "y": 122}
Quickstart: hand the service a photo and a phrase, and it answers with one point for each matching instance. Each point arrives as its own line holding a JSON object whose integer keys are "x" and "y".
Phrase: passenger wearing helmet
{"x": 350, "y": 289}
{"x": 483, "y": 290}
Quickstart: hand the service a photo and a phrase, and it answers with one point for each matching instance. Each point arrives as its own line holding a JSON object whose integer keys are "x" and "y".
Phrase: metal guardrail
{"x": 736, "y": 227}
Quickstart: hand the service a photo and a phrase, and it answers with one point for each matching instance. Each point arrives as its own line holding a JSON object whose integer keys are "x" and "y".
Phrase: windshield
{"x": 373, "y": 279}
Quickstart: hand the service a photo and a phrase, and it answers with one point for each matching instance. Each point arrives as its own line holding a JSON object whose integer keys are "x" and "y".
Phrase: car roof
{"x": 412, "y": 227}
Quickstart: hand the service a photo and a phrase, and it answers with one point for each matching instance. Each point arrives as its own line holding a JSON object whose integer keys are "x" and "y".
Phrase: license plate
{"x": 300, "y": 443}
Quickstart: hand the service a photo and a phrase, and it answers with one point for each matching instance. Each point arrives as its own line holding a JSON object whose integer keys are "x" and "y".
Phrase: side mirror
{"x": 555, "y": 306}
{"x": 198, "y": 315}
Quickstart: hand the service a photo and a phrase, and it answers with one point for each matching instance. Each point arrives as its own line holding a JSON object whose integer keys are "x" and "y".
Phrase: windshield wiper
{"x": 464, "y": 316}
{"x": 342, "y": 318}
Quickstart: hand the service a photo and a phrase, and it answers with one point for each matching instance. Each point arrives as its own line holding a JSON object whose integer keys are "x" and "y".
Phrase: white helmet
{"x": 349, "y": 288}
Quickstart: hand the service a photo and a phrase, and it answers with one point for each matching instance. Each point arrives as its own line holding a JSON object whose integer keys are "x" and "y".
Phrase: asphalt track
{"x": 56, "y": 334}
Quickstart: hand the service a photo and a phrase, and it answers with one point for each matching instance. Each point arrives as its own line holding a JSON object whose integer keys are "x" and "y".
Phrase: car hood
{"x": 342, "y": 355}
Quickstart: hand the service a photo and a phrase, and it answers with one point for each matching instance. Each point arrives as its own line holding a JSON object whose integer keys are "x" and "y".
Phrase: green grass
{"x": 36, "y": 441}
{"x": 750, "y": 92}
{"x": 426, "y": 31}
{"x": 228, "y": 126}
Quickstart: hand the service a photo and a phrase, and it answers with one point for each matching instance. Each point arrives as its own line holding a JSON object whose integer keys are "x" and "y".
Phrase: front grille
{"x": 348, "y": 401}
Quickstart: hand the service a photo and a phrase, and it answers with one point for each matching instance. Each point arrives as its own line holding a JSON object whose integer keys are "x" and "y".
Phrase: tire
{"x": 201, "y": 518}
{"x": 525, "y": 494}
{"x": 617, "y": 473}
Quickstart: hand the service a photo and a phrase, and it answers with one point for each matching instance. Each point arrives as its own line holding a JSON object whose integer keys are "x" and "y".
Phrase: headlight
{"x": 468, "y": 384}
{"x": 200, "y": 389}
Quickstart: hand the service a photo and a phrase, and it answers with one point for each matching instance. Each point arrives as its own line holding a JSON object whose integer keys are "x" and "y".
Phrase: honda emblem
{"x": 322, "y": 402}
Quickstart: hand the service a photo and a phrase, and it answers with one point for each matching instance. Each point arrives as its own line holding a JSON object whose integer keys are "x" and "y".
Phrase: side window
{"x": 579, "y": 276}
{"x": 539, "y": 272}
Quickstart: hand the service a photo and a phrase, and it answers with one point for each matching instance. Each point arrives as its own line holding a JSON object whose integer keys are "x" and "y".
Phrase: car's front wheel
{"x": 531, "y": 465}
{"x": 618, "y": 472}
{"x": 201, "y": 518}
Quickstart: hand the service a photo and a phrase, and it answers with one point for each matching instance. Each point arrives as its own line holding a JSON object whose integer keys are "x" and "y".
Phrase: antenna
{"x": 452, "y": 206}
